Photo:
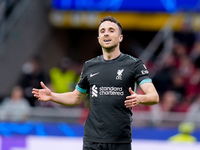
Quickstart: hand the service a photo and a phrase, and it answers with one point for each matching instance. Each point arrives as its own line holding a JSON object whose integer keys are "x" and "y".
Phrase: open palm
{"x": 42, "y": 94}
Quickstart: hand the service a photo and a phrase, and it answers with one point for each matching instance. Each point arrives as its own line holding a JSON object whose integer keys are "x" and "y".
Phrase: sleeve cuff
{"x": 81, "y": 90}
{"x": 145, "y": 81}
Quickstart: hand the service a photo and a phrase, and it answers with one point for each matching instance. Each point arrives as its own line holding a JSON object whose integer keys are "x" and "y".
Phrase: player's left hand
{"x": 132, "y": 100}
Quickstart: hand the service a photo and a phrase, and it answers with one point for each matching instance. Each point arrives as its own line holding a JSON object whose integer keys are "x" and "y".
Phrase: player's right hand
{"x": 44, "y": 94}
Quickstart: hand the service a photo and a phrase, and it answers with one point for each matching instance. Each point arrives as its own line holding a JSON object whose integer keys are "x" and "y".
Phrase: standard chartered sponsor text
{"x": 111, "y": 90}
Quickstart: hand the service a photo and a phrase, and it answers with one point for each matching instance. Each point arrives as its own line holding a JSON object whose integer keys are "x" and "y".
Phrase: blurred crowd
{"x": 178, "y": 79}
{"x": 60, "y": 78}
{"x": 63, "y": 77}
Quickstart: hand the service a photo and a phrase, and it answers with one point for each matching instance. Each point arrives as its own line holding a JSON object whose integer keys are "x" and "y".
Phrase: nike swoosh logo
{"x": 91, "y": 75}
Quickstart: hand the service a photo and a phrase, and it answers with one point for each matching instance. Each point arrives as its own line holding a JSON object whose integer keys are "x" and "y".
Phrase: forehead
{"x": 107, "y": 25}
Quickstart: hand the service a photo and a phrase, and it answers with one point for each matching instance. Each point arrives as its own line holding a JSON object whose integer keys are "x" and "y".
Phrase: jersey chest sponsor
{"x": 100, "y": 91}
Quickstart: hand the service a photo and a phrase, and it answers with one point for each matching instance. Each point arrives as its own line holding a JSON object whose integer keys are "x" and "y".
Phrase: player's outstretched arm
{"x": 70, "y": 98}
{"x": 149, "y": 98}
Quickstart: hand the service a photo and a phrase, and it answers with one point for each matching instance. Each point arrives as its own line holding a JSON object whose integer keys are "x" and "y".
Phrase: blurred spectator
{"x": 63, "y": 78}
{"x": 185, "y": 83}
{"x": 184, "y": 135}
{"x": 182, "y": 106}
{"x": 15, "y": 107}
{"x": 195, "y": 53}
{"x": 186, "y": 35}
{"x": 179, "y": 73}
{"x": 166, "y": 105}
{"x": 164, "y": 76}
{"x": 168, "y": 101}
{"x": 179, "y": 50}
{"x": 178, "y": 85}
{"x": 32, "y": 74}
{"x": 186, "y": 68}
{"x": 193, "y": 85}
{"x": 194, "y": 112}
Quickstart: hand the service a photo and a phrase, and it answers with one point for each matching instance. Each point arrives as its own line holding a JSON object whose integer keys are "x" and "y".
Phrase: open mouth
{"x": 107, "y": 40}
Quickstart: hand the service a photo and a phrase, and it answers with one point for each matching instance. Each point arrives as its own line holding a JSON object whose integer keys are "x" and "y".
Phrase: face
{"x": 109, "y": 35}
{"x": 17, "y": 93}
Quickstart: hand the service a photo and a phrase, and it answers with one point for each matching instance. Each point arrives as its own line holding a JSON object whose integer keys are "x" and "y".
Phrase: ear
{"x": 98, "y": 39}
{"x": 120, "y": 38}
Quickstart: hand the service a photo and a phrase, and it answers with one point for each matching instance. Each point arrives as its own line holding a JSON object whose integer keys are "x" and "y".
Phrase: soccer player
{"x": 110, "y": 81}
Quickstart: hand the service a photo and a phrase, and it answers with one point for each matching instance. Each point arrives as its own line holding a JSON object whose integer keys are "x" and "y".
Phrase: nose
{"x": 106, "y": 33}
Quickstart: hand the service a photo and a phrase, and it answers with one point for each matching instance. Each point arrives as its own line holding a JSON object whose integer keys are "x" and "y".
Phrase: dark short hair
{"x": 112, "y": 19}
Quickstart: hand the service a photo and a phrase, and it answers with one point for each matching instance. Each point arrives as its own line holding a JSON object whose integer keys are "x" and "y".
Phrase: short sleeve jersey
{"x": 107, "y": 83}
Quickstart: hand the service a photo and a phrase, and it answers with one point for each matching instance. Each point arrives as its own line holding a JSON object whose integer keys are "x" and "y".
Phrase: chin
{"x": 109, "y": 47}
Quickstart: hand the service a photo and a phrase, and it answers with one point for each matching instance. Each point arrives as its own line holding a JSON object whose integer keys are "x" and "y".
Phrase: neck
{"x": 110, "y": 54}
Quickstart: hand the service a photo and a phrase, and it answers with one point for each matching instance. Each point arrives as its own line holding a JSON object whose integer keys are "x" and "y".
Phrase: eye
{"x": 102, "y": 31}
{"x": 112, "y": 30}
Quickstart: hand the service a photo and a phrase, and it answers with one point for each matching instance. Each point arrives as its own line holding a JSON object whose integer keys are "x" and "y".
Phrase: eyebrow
{"x": 108, "y": 28}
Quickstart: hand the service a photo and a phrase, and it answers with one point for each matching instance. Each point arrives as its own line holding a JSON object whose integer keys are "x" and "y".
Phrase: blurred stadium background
{"x": 163, "y": 33}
